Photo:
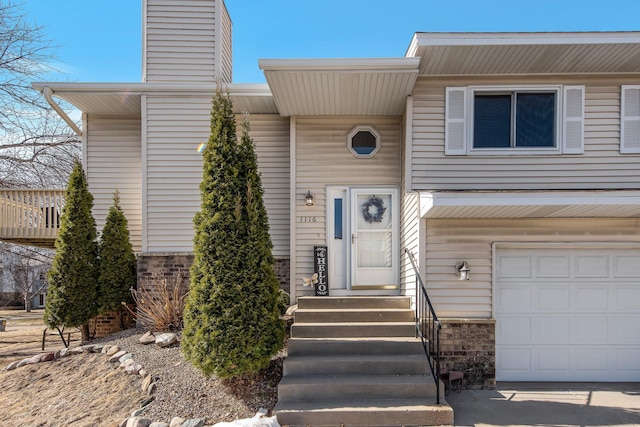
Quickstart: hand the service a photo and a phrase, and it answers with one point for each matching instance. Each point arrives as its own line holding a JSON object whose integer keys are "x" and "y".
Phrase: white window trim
{"x": 515, "y": 151}
{"x": 363, "y": 128}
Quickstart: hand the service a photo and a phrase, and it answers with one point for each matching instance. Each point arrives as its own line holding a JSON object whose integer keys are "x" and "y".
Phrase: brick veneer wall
{"x": 108, "y": 323}
{"x": 469, "y": 345}
{"x": 167, "y": 266}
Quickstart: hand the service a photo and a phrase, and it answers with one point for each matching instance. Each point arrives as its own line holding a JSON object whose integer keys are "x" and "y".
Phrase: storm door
{"x": 362, "y": 238}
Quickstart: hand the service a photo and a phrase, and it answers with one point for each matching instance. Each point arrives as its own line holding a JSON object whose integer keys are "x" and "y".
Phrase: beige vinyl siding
{"x": 225, "y": 65}
{"x": 322, "y": 159}
{"x": 114, "y": 162}
{"x": 176, "y": 126}
{"x": 449, "y": 242}
{"x": 181, "y": 40}
{"x": 600, "y": 167}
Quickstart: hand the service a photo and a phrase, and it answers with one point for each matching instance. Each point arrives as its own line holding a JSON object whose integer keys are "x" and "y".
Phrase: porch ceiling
{"x": 329, "y": 87}
{"x": 125, "y": 98}
{"x": 526, "y": 53}
{"x": 543, "y": 204}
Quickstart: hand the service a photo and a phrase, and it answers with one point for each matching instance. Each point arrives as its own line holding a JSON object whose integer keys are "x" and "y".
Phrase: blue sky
{"x": 100, "y": 41}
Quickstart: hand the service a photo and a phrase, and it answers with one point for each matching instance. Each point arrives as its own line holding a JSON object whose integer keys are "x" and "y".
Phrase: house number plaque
{"x": 320, "y": 267}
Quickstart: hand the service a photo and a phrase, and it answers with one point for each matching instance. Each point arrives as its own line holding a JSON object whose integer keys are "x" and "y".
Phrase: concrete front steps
{"x": 355, "y": 361}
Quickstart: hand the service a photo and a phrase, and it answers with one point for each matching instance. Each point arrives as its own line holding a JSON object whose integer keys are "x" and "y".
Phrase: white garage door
{"x": 567, "y": 314}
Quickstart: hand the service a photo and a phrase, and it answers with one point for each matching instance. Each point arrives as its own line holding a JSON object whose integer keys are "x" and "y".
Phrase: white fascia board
{"x": 536, "y": 198}
{"x": 491, "y": 39}
{"x": 246, "y": 89}
{"x": 345, "y": 65}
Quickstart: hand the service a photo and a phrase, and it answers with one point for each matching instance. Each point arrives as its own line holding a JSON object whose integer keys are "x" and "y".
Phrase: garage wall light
{"x": 463, "y": 271}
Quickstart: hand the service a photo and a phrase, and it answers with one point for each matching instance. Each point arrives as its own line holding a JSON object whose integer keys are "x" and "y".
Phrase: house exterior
{"x": 515, "y": 153}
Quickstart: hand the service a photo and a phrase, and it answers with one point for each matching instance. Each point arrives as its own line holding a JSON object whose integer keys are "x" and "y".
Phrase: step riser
{"x": 379, "y": 417}
{"x": 319, "y": 347}
{"x": 352, "y": 330}
{"x": 353, "y": 302}
{"x": 329, "y": 316}
{"x": 316, "y": 392}
{"x": 407, "y": 367}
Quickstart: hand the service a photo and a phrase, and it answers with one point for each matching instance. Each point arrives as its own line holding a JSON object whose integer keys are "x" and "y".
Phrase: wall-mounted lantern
{"x": 463, "y": 271}
{"x": 308, "y": 199}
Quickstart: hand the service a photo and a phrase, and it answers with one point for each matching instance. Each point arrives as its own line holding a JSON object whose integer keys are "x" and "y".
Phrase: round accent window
{"x": 363, "y": 141}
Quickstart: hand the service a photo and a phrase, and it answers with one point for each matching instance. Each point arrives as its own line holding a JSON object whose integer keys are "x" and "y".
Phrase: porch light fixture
{"x": 463, "y": 271}
{"x": 308, "y": 199}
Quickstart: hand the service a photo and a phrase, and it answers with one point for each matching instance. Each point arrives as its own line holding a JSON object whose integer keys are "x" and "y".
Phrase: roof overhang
{"x": 125, "y": 98}
{"x": 453, "y": 54}
{"x": 540, "y": 204}
{"x": 330, "y": 87}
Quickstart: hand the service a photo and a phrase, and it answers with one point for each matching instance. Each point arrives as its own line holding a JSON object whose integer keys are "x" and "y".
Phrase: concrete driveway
{"x": 549, "y": 404}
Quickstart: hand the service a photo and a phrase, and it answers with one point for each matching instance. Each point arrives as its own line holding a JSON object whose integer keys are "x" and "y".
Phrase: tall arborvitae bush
{"x": 73, "y": 277}
{"x": 231, "y": 321}
{"x": 117, "y": 262}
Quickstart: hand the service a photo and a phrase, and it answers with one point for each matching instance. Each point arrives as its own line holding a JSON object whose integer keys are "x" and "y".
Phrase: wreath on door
{"x": 373, "y": 210}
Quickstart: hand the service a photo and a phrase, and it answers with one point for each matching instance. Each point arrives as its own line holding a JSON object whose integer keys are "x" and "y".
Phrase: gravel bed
{"x": 183, "y": 391}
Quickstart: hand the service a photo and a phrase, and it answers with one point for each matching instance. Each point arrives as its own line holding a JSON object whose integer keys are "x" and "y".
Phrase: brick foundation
{"x": 469, "y": 345}
{"x": 167, "y": 266}
{"x": 109, "y": 323}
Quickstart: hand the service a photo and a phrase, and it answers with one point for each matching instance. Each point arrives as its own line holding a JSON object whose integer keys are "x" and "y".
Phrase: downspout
{"x": 47, "y": 93}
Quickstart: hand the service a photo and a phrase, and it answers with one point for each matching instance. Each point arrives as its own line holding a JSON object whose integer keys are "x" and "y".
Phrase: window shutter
{"x": 455, "y": 129}
{"x": 630, "y": 120}
{"x": 573, "y": 113}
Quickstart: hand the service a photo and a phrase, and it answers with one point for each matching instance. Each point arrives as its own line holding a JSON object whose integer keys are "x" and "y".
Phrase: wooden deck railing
{"x": 30, "y": 216}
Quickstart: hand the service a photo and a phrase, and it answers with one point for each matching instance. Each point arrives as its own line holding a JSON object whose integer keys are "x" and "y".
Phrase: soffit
{"x": 511, "y": 205}
{"x": 526, "y": 53}
{"x": 125, "y": 98}
{"x": 331, "y": 87}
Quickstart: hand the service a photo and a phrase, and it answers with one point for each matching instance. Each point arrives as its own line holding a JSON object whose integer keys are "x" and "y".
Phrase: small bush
{"x": 160, "y": 306}
{"x": 284, "y": 301}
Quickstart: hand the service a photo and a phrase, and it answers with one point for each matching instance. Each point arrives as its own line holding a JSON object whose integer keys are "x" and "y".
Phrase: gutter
{"x": 47, "y": 93}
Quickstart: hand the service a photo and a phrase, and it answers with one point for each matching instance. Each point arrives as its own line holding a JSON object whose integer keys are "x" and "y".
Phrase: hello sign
{"x": 320, "y": 267}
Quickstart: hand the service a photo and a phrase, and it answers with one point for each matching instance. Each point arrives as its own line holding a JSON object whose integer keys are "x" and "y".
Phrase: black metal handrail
{"x": 427, "y": 326}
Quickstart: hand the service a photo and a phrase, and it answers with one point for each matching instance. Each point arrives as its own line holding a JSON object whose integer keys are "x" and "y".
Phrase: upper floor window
{"x": 363, "y": 141}
{"x": 514, "y": 120}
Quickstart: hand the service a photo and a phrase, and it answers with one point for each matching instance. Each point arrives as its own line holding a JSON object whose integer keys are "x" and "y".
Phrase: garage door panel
{"x": 572, "y": 315}
{"x": 591, "y": 266}
{"x": 515, "y": 330}
{"x": 515, "y": 267}
{"x": 626, "y": 297}
{"x": 626, "y": 266}
{"x": 514, "y": 299}
{"x": 553, "y": 266}
{"x": 590, "y": 330}
{"x": 552, "y": 360}
{"x": 593, "y": 298}
{"x": 552, "y": 330}
{"x": 553, "y": 297}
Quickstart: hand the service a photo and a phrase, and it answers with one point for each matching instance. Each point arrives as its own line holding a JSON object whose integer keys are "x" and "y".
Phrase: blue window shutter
{"x": 630, "y": 120}
{"x": 455, "y": 134}
{"x": 573, "y": 115}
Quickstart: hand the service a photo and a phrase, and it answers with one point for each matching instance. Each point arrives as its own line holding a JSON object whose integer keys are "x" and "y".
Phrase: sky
{"x": 101, "y": 41}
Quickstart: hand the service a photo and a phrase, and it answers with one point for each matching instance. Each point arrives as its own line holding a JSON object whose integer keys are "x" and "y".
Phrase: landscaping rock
{"x": 138, "y": 422}
{"x": 133, "y": 368}
{"x": 147, "y": 338}
{"x": 116, "y": 356}
{"x": 76, "y": 350}
{"x": 47, "y": 357}
{"x": 105, "y": 349}
{"x": 143, "y": 373}
{"x": 113, "y": 350}
{"x": 151, "y": 389}
{"x": 22, "y": 363}
{"x": 125, "y": 357}
{"x": 146, "y": 382}
{"x": 34, "y": 359}
{"x": 177, "y": 422}
{"x": 64, "y": 352}
{"x": 11, "y": 366}
{"x": 158, "y": 424}
{"x": 195, "y": 422}
{"x": 166, "y": 340}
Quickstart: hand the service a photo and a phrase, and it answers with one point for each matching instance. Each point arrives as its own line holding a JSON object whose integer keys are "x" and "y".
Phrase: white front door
{"x": 363, "y": 242}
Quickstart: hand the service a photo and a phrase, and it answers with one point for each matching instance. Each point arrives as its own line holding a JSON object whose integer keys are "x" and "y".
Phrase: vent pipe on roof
{"x": 47, "y": 92}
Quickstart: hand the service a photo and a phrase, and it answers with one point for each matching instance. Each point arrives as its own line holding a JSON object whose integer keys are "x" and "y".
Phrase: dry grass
{"x": 160, "y": 304}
